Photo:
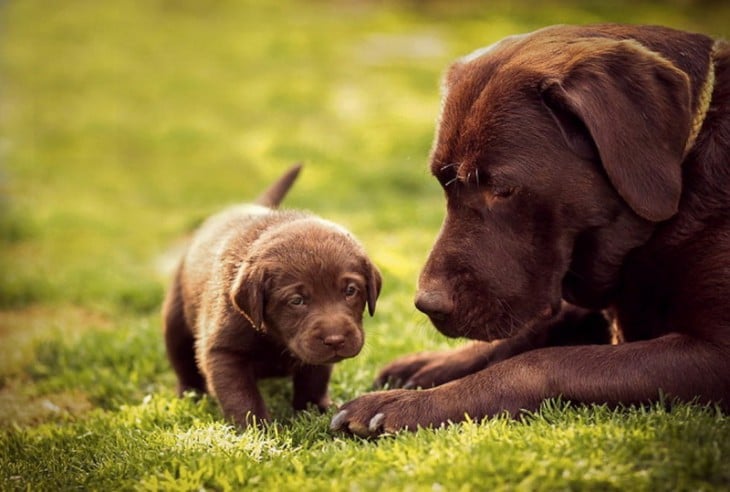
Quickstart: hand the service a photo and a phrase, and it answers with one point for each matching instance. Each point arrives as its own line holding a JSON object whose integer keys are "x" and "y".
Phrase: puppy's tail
{"x": 275, "y": 193}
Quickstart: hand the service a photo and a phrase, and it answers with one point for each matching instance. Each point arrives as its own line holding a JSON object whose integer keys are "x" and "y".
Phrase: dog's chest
{"x": 644, "y": 307}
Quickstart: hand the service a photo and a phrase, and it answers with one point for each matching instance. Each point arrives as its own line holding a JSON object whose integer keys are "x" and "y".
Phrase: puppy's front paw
{"x": 386, "y": 412}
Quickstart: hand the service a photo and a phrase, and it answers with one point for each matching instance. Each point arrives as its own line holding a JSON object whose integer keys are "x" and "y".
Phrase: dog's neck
{"x": 703, "y": 104}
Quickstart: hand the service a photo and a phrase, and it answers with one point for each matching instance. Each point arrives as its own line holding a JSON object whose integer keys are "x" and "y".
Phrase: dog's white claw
{"x": 338, "y": 420}
{"x": 376, "y": 422}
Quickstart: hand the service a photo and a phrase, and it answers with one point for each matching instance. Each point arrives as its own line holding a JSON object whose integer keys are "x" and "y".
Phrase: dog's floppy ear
{"x": 247, "y": 294}
{"x": 632, "y": 107}
{"x": 374, "y": 283}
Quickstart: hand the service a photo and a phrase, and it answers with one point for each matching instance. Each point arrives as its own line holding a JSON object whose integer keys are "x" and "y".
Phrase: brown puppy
{"x": 262, "y": 293}
{"x": 586, "y": 173}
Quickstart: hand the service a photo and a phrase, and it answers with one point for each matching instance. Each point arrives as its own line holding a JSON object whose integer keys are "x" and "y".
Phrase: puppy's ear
{"x": 247, "y": 295}
{"x": 374, "y": 283}
{"x": 630, "y": 107}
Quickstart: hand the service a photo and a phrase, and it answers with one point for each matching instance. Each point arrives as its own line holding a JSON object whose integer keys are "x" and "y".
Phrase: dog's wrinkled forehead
{"x": 491, "y": 97}
{"x": 478, "y": 122}
{"x": 486, "y": 50}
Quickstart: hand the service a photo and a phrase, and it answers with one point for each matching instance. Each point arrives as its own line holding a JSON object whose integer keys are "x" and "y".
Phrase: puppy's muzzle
{"x": 330, "y": 341}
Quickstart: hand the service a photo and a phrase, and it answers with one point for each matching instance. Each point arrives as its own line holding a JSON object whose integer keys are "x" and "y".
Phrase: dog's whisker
{"x": 451, "y": 181}
{"x": 447, "y": 166}
{"x": 514, "y": 321}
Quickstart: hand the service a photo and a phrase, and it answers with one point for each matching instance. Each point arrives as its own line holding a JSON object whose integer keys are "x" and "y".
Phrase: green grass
{"x": 124, "y": 123}
{"x": 164, "y": 443}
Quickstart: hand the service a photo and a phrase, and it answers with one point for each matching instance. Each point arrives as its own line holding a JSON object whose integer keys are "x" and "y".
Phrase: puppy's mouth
{"x": 319, "y": 359}
{"x": 317, "y": 353}
{"x": 334, "y": 359}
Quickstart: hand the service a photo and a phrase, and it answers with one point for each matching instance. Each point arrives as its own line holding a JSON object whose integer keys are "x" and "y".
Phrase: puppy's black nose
{"x": 334, "y": 341}
{"x": 435, "y": 303}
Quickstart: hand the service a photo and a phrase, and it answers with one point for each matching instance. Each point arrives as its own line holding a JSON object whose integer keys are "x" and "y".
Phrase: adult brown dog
{"x": 586, "y": 169}
{"x": 262, "y": 293}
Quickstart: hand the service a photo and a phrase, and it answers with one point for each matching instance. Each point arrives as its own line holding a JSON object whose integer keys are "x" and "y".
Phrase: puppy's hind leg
{"x": 180, "y": 344}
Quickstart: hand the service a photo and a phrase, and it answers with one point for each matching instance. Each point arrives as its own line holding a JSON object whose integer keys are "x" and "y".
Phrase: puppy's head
{"x": 306, "y": 284}
{"x": 558, "y": 152}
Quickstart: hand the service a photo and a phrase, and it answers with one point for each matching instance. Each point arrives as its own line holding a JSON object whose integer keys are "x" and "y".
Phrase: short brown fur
{"x": 587, "y": 184}
{"x": 264, "y": 293}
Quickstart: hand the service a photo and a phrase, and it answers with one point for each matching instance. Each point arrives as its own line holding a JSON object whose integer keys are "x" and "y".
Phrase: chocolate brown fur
{"x": 587, "y": 179}
{"x": 264, "y": 293}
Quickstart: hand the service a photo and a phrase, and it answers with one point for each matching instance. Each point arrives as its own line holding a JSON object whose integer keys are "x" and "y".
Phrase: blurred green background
{"x": 126, "y": 122}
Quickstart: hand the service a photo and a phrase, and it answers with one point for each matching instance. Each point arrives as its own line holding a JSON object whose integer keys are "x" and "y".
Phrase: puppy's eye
{"x": 351, "y": 290}
{"x": 296, "y": 300}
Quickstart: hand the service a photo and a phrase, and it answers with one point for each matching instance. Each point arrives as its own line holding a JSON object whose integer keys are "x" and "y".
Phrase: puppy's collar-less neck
{"x": 705, "y": 97}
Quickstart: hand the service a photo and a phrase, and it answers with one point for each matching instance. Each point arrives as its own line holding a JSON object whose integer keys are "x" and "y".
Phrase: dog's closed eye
{"x": 498, "y": 194}
{"x": 504, "y": 192}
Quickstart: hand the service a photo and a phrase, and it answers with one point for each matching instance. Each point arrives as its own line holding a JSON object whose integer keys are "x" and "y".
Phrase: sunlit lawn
{"x": 123, "y": 124}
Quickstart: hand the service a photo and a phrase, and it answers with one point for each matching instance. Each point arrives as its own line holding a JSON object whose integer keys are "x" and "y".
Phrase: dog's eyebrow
{"x": 469, "y": 174}
{"x": 445, "y": 173}
{"x": 448, "y": 168}
{"x": 451, "y": 181}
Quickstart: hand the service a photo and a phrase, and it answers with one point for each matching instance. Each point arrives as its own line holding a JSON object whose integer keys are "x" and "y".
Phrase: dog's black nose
{"x": 435, "y": 303}
{"x": 334, "y": 341}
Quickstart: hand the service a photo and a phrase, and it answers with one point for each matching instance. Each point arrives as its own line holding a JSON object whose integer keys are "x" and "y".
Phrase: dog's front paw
{"x": 401, "y": 372}
{"x": 426, "y": 370}
{"x": 386, "y": 412}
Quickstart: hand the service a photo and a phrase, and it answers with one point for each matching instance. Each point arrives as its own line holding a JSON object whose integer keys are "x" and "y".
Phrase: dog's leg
{"x": 233, "y": 381}
{"x": 675, "y": 366}
{"x": 180, "y": 343}
{"x": 573, "y": 326}
{"x": 310, "y": 386}
{"x": 428, "y": 369}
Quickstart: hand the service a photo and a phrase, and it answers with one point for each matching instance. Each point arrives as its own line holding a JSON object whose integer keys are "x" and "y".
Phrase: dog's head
{"x": 306, "y": 284}
{"x": 558, "y": 152}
